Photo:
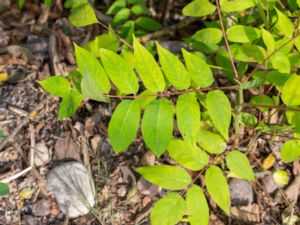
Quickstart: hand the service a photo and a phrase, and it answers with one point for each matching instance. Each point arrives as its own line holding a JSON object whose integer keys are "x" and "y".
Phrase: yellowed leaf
{"x": 3, "y": 77}
{"x": 27, "y": 192}
{"x": 268, "y": 162}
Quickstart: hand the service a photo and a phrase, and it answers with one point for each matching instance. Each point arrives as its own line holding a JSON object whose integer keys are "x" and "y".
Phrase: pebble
{"x": 70, "y": 183}
{"x": 241, "y": 192}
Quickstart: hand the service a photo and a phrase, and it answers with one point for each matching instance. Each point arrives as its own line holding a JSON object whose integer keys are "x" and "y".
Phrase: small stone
{"x": 95, "y": 143}
{"x": 146, "y": 200}
{"x": 148, "y": 159}
{"x": 72, "y": 188}
{"x": 41, "y": 208}
{"x": 122, "y": 191}
{"x": 269, "y": 184}
{"x": 146, "y": 188}
{"x": 241, "y": 192}
{"x": 42, "y": 155}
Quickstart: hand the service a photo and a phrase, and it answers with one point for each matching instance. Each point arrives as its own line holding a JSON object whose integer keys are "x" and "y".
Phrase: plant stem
{"x": 240, "y": 95}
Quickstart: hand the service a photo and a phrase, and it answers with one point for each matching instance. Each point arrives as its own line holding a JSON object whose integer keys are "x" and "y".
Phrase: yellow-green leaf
{"x": 69, "y": 104}
{"x": 248, "y": 53}
{"x": 239, "y": 164}
{"x": 284, "y": 24}
{"x": 291, "y": 92}
{"x": 268, "y": 41}
{"x": 165, "y": 176}
{"x": 219, "y": 110}
{"x": 94, "y": 80}
{"x": 217, "y": 187}
{"x": 187, "y": 155}
{"x": 157, "y": 125}
{"x": 236, "y": 5}
{"x": 83, "y": 15}
{"x": 211, "y": 142}
{"x": 242, "y": 34}
{"x": 56, "y": 85}
{"x": 120, "y": 73}
{"x": 290, "y": 150}
{"x": 198, "y": 8}
{"x": 197, "y": 208}
{"x": 200, "y": 72}
{"x": 168, "y": 210}
{"x": 173, "y": 68}
{"x": 188, "y": 117}
{"x": 123, "y": 126}
{"x": 147, "y": 68}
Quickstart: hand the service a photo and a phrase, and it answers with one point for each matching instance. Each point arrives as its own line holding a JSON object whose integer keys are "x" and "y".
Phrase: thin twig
{"x": 174, "y": 93}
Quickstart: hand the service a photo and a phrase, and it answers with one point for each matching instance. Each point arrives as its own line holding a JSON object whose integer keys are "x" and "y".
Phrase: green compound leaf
{"x": 94, "y": 81}
{"x": 165, "y": 176}
{"x": 120, "y": 73}
{"x": 83, "y": 15}
{"x": 168, "y": 210}
{"x": 211, "y": 142}
{"x": 200, "y": 72}
{"x": 139, "y": 9}
{"x": 242, "y": 34}
{"x": 236, "y": 5}
{"x": 219, "y": 110}
{"x": 217, "y": 187}
{"x": 69, "y": 104}
{"x": 147, "y": 68}
{"x": 269, "y": 41}
{"x": 123, "y": 126}
{"x": 248, "y": 53}
{"x": 187, "y": 155}
{"x": 21, "y": 3}
{"x": 198, "y": 8}
{"x": 239, "y": 165}
{"x": 291, "y": 92}
{"x": 157, "y": 125}
{"x": 4, "y": 189}
{"x": 56, "y": 86}
{"x": 284, "y": 24}
{"x": 173, "y": 68}
{"x": 148, "y": 24}
{"x": 290, "y": 150}
{"x": 196, "y": 206}
{"x": 209, "y": 36}
{"x": 188, "y": 117}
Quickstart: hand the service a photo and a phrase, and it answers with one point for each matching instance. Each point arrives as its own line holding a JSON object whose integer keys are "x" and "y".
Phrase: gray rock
{"x": 72, "y": 188}
{"x": 241, "y": 192}
{"x": 269, "y": 184}
{"x": 41, "y": 208}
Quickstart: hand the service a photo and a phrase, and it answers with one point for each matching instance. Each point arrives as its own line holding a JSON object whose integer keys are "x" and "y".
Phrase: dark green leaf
{"x": 148, "y": 24}
{"x": 4, "y": 189}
